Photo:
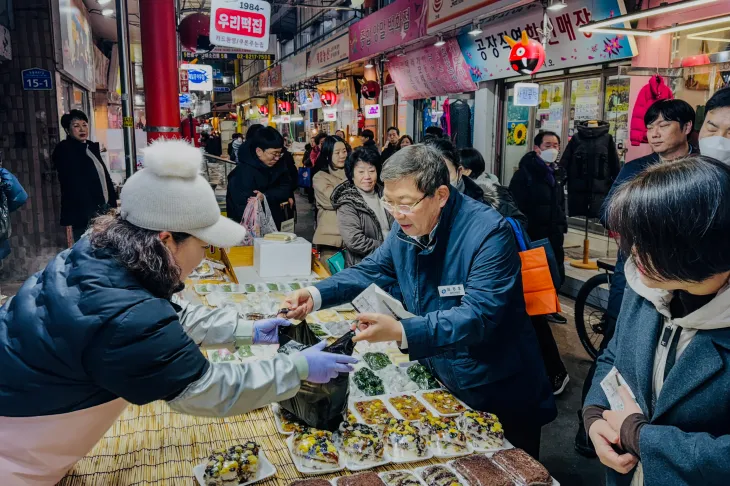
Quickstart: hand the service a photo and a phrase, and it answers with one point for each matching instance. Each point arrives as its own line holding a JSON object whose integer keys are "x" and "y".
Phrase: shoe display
{"x": 557, "y": 318}
{"x": 559, "y": 383}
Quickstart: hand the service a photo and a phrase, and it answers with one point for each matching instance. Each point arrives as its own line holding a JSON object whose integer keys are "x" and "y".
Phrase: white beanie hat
{"x": 169, "y": 194}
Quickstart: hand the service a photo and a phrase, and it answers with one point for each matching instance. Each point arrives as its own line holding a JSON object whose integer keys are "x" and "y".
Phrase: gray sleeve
{"x": 208, "y": 327}
{"x": 353, "y": 236}
{"x": 228, "y": 389}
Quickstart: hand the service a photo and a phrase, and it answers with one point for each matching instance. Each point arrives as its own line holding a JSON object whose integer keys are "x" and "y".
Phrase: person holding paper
{"x": 671, "y": 346}
{"x": 457, "y": 265}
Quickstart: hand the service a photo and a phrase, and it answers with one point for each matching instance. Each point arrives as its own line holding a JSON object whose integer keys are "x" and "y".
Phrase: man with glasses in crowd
{"x": 458, "y": 267}
{"x": 259, "y": 174}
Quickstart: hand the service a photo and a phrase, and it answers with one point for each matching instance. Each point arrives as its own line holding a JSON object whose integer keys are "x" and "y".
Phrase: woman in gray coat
{"x": 363, "y": 221}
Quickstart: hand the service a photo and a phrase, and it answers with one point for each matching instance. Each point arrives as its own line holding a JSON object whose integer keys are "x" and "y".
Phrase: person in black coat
{"x": 260, "y": 173}
{"x": 87, "y": 189}
{"x": 392, "y": 147}
{"x": 368, "y": 140}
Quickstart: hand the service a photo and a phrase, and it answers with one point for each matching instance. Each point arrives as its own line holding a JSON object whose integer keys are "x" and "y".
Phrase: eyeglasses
{"x": 276, "y": 155}
{"x": 403, "y": 209}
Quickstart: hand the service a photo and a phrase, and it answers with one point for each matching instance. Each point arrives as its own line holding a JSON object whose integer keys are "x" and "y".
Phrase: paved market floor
{"x": 557, "y": 452}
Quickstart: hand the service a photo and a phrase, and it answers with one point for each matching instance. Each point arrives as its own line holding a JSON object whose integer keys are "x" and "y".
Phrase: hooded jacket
{"x": 253, "y": 175}
{"x": 82, "y": 196}
{"x": 496, "y": 196}
{"x": 687, "y": 439}
{"x": 360, "y": 228}
{"x": 84, "y": 338}
{"x": 16, "y": 197}
{"x": 655, "y": 90}
{"x": 591, "y": 165}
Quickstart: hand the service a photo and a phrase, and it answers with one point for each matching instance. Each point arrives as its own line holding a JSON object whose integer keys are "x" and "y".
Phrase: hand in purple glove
{"x": 266, "y": 331}
{"x": 325, "y": 366}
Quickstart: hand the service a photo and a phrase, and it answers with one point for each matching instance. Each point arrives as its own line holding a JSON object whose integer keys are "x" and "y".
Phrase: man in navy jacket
{"x": 457, "y": 263}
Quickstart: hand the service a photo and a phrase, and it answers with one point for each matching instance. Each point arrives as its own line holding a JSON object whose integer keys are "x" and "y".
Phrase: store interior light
{"x": 103, "y": 2}
{"x": 557, "y": 5}
{"x": 107, "y": 12}
{"x": 440, "y": 42}
{"x": 694, "y": 25}
{"x": 620, "y": 31}
{"x": 650, "y": 12}
{"x": 475, "y": 29}
{"x": 704, "y": 35}
{"x": 370, "y": 64}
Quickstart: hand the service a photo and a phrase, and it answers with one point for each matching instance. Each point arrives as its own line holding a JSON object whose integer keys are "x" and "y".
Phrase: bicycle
{"x": 591, "y": 306}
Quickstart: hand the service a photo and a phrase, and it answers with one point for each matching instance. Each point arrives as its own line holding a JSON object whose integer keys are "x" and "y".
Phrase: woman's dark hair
{"x": 367, "y": 133}
{"x": 437, "y": 132}
{"x": 541, "y": 136}
{"x": 68, "y": 118}
{"x": 721, "y": 99}
{"x": 324, "y": 161}
{"x": 318, "y": 138}
{"x": 674, "y": 219}
{"x": 472, "y": 159}
{"x": 266, "y": 138}
{"x": 671, "y": 110}
{"x": 405, "y": 137}
{"x": 141, "y": 252}
{"x": 308, "y": 146}
{"x": 447, "y": 149}
{"x": 362, "y": 154}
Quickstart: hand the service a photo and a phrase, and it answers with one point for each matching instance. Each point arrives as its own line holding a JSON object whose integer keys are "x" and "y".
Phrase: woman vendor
{"x": 99, "y": 329}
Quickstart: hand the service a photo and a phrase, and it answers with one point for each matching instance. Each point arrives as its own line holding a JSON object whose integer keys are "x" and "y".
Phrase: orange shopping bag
{"x": 537, "y": 282}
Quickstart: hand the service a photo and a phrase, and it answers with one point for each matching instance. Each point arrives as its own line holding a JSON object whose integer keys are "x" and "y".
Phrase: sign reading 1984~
{"x": 240, "y": 23}
{"x": 37, "y": 79}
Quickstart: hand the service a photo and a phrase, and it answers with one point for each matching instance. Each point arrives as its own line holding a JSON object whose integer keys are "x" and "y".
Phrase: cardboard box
{"x": 277, "y": 259}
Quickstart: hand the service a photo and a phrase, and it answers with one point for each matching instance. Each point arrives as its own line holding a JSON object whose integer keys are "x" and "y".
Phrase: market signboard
{"x": 270, "y": 80}
{"x": 444, "y": 14}
{"x": 397, "y": 24}
{"x": 200, "y": 77}
{"x": 328, "y": 55}
{"x": 76, "y": 42}
{"x": 240, "y": 23}
{"x": 242, "y": 93}
{"x": 294, "y": 69}
{"x": 233, "y": 53}
{"x": 487, "y": 54}
{"x": 431, "y": 71}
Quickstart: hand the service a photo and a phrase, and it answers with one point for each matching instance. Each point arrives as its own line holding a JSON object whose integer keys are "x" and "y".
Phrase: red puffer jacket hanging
{"x": 655, "y": 90}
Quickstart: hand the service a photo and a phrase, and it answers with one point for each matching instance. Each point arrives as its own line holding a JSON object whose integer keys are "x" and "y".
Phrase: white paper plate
{"x": 276, "y": 409}
{"x": 407, "y": 460}
{"x": 505, "y": 445}
{"x": 265, "y": 471}
{"x": 423, "y": 400}
{"x": 450, "y": 455}
{"x": 309, "y": 471}
{"x": 419, "y": 472}
{"x": 394, "y": 409}
{"x": 356, "y": 466}
{"x": 490, "y": 454}
{"x": 412, "y": 473}
{"x": 383, "y": 398}
{"x": 210, "y": 288}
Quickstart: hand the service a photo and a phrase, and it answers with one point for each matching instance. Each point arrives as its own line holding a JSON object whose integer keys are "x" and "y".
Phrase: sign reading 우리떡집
{"x": 240, "y": 23}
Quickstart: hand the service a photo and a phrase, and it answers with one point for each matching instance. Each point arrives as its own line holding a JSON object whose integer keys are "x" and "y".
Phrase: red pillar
{"x": 158, "y": 30}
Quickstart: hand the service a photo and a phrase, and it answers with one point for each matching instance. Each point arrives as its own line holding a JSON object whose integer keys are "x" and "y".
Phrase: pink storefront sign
{"x": 431, "y": 71}
{"x": 397, "y": 24}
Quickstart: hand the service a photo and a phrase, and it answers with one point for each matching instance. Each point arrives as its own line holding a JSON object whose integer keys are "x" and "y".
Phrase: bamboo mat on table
{"x": 153, "y": 445}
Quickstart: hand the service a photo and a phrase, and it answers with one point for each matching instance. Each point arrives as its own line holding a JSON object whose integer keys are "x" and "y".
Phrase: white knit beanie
{"x": 169, "y": 194}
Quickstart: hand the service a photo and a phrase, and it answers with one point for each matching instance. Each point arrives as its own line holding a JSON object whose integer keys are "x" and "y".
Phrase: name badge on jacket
{"x": 451, "y": 291}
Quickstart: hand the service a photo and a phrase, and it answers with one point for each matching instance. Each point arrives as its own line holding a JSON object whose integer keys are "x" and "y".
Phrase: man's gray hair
{"x": 425, "y": 164}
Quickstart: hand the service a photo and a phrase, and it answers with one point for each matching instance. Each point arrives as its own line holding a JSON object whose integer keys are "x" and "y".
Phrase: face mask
{"x": 716, "y": 147}
{"x": 549, "y": 155}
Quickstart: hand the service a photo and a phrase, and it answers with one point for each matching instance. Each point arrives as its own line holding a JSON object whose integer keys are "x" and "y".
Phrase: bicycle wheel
{"x": 590, "y": 312}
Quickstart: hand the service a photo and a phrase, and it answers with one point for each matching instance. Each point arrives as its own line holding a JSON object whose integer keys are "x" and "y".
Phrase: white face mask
{"x": 716, "y": 147}
{"x": 549, "y": 155}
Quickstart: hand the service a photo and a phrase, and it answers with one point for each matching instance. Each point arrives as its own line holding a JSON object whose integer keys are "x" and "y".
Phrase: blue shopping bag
{"x": 305, "y": 177}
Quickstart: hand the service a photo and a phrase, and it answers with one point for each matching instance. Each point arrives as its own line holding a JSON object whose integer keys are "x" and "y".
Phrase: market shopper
{"x": 538, "y": 189}
{"x": 392, "y": 146}
{"x": 363, "y": 221}
{"x": 341, "y": 134}
{"x": 15, "y": 196}
{"x": 672, "y": 339}
{"x": 405, "y": 141}
{"x": 367, "y": 137}
{"x": 500, "y": 199}
{"x": 669, "y": 123}
{"x": 329, "y": 173}
{"x": 476, "y": 337}
{"x": 99, "y": 328}
{"x": 260, "y": 173}
{"x": 475, "y": 168}
{"x": 87, "y": 189}
{"x": 236, "y": 142}
{"x": 715, "y": 133}
{"x": 317, "y": 147}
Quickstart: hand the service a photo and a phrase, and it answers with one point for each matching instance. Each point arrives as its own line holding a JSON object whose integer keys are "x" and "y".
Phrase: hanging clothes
{"x": 461, "y": 124}
{"x": 655, "y": 90}
{"x": 446, "y": 118}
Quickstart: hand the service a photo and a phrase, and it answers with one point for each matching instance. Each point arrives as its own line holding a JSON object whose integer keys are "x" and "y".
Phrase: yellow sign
{"x": 128, "y": 122}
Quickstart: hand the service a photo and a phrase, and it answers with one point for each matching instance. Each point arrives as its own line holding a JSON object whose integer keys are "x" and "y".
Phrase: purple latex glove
{"x": 266, "y": 331}
{"x": 325, "y": 366}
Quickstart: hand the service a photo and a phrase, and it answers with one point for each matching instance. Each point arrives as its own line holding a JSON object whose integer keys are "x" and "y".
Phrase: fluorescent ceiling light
{"x": 663, "y": 9}
{"x": 557, "y": 5}
{"x": 702, "y": 35}
{"x": 440, "y": 42}
{"x": 107, "y": 12}
{"x": 693, "y": 25}
{"x": 620, "y": 31}
{"x": 475, "y": 29}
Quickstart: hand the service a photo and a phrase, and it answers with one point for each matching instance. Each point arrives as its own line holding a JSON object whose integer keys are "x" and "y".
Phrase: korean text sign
{"x": 431, "y": 71}
{"x": 240, "y": 23}
{"x": 488, "y": 54}
{"x": 325, "y": 57}
{"x": 399, "y": 23}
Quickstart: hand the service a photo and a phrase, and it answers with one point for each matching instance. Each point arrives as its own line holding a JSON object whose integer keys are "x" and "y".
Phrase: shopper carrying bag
{"x": 257, "y": 220}
{"x": 541, "y": 298}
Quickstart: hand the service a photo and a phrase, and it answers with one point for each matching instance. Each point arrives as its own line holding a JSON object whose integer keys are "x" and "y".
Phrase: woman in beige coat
{"x": 329, "y": 173}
